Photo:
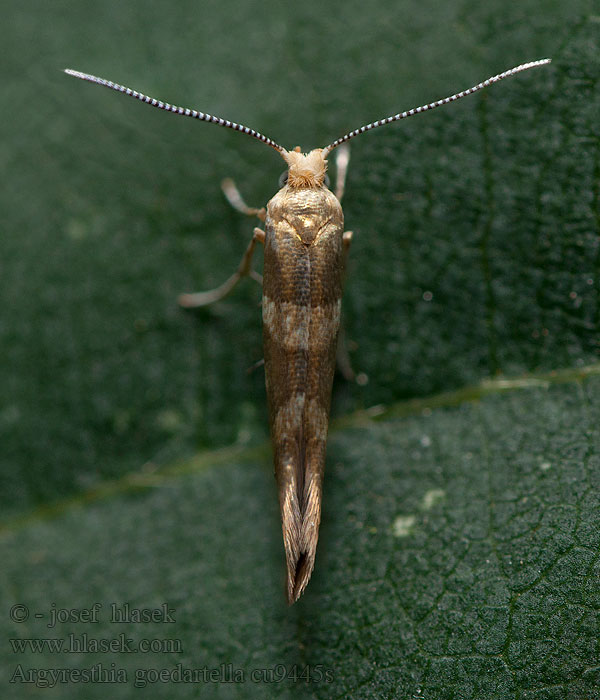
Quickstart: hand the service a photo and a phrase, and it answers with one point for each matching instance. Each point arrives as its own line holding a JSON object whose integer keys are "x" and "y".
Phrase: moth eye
{"x": 327, "y": 180}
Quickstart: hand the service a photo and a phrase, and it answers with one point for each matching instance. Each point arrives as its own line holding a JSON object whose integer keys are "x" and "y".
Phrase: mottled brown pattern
{"x": 301, "y": 313}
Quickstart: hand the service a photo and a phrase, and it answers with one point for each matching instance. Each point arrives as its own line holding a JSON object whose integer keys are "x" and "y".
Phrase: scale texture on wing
{"x": 301, "y": 317}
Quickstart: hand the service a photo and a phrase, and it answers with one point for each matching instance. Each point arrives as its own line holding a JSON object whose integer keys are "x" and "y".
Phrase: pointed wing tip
{"x": 300, "y": 526}
{"x": 299, "y": 574}
{"x": 295, "y": 591}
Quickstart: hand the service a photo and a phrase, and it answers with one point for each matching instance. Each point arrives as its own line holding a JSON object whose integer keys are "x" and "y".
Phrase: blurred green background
{"x": 475, "y": 256}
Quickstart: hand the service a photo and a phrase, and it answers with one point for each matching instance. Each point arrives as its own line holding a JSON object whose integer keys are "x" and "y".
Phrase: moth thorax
{"x": 305, "y": 169}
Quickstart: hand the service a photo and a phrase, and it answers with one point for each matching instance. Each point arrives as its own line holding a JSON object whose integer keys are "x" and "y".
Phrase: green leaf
{"x": 458, "y": 559}
{"x": 458, "y": 553}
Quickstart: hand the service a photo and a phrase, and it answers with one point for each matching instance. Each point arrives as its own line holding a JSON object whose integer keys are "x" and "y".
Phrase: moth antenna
{"x": 433, "y": 105}
{"x": 173, "y": 108}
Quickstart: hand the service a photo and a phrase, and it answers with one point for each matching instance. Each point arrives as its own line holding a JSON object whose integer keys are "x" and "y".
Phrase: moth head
{"x": 305, "y": 169}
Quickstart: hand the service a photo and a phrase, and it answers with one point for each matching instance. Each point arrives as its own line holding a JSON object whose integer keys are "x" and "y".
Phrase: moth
{"x": 305, "y": 249}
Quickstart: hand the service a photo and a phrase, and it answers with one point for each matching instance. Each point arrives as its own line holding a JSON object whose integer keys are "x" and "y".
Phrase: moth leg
{"x": 237, "y": 202}
{"x": 342, "y": 158}
{"x": 346, "y": 240}
{"x": 192, "y": 301}
{"x": 342, "y": 355}
{"x": 255, "y": 366}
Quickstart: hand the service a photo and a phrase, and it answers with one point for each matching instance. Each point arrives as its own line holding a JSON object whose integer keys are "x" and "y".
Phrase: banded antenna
{"x": 433, "y": 105}
{"x": 184, "y": 111}
{"x": 257, "y": 135}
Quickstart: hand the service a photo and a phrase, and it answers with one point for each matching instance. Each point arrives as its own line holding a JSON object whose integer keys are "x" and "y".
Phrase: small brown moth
{"x": 305, "y": 252}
